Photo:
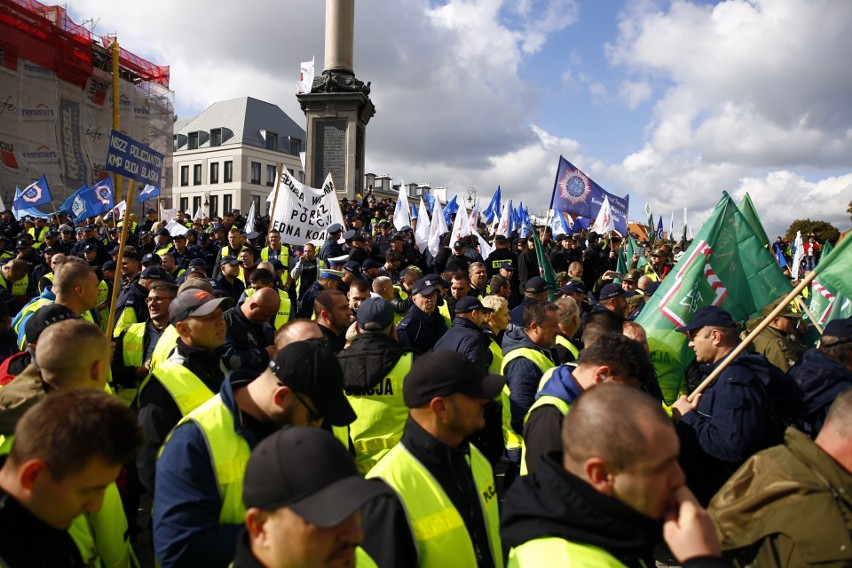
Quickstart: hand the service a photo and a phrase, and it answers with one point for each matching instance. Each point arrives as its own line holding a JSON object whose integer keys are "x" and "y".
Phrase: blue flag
{"x": 150, "y": 192}
{"x": 35, "y": 194}
{"x": 94, "y": 201}
{"x": 66, "y": 205}
{"x": 430, "y": 201}
{"x": 450, "y": 209}
{"x": 581, "y": 224}
{"x": 413, "y": 212}
{"x": 525, "y": 222}
{"x": 493, "y": 209}
{"x": 659, "y": 229}
{"x": 575, "y": 192}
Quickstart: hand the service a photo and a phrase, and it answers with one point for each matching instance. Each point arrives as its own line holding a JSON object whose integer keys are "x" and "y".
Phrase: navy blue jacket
{"x": 522, "y": 376}
{"x": 469, "y": 340}
{"x": 419, "y": 330}
{"x": 187, "y": 503}
{"x": 821, "y": 380}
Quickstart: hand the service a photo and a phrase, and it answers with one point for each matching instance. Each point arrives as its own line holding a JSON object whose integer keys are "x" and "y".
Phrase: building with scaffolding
{"x": 56, "y": 101}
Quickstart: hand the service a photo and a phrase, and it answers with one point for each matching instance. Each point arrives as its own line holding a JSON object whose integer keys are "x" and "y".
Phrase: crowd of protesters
{"x": 362, "y": 402}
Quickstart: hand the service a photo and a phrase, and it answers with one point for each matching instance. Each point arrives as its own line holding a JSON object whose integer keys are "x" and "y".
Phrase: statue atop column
{"x": 337, "y": 75}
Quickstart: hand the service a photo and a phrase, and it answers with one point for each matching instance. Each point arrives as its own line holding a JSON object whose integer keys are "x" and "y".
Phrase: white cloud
{"x": 635, "y": 93}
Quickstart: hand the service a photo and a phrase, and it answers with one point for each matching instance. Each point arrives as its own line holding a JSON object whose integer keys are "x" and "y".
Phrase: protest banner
{"x": 302, "y": 213}
{"x": 577, "y": 193}
{"x": 127, "y": 157}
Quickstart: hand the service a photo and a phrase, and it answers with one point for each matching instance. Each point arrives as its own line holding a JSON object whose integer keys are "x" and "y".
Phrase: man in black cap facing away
{"x": 466, "y": 335}
{"x": 331, "y": 248}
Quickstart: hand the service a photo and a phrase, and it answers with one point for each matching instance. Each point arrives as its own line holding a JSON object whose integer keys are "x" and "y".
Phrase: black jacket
{"x": 419, "y": 330}
{"x": 554, "y": 503}
{"x": 246, "y": 342}
{"x": 821, "y": 380}
{"x": 26, "y": 541}
{"x": 369, "y": 360}
{"x": 469, "y": 340}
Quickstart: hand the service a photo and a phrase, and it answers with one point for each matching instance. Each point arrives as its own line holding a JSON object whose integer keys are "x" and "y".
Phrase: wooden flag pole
{"x": 804, "y": 307}
{"x": 750, "y": 337}
{"x": 116, "y": 282}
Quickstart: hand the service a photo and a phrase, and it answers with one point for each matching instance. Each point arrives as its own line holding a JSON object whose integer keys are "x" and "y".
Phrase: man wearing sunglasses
{"x": 198, "y": 507}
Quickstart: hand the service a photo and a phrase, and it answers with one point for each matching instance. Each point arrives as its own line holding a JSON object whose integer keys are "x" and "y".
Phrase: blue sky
{"x": 669, "y": 101}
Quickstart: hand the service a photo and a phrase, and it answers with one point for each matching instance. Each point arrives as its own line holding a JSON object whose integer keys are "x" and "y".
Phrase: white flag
{"x": 401, "y": 212}
{"x": 437, "y": 228}
{"x": 671, "y": 228}
{"x": 503, "y": 226}
{"x": 474, "y": 216}
{"x": 199, "y": 214}
{"x": 174, "y": 228}
{"x": 250, "y": 219}
{"x": 797, "y": 256}
{"x": 421, "y": 234}
{"x": 167, "y": 214}
{"x": 461, "y": 226}
{"x": 306, "y": 77}
{"x": 118, "y": 210}
{"x": 604, "y": 224}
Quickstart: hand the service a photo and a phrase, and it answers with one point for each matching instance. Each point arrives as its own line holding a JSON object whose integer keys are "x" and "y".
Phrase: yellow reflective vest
{"x": 132, "y": 350}
{"x": 18, "y": 288}
{"x": 552, "y": 551}
{"x": 566, "y": 343}
{"x": 187, "y": 390}
{"x": 165, "y": 345}
{"x": 284, "y": 309}
{"x": 511, "y": 439}
{"x": 381, "y": 415}
{"x": 438, "y": 528}
{"x": 229, "y": 454}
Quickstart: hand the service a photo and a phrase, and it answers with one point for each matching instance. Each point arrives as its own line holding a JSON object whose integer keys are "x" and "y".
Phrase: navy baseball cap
{"x": 713, "y": 316}
{"x": 613, "y": 291}
{"x": 375, "y": 310}
{"x": 444, "y": 372}
{"x": 573, "y": 287}
{"x": 469, "y": 304}
{"x": 536, "y": 285}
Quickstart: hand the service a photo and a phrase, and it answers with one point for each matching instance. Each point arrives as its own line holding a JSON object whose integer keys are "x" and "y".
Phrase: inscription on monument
{"x": 330, "y": 151}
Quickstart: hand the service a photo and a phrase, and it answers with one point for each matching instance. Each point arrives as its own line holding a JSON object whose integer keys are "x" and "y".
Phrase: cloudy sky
{"x": 669, "y": 102}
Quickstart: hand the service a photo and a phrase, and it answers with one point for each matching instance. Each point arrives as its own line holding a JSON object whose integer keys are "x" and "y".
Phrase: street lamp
{"x": 471, "y": 196}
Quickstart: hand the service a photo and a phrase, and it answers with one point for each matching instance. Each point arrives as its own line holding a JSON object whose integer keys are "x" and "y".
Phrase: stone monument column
{"x": 337, "y": 109}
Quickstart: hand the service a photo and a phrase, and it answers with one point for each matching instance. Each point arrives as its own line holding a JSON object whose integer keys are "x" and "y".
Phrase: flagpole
{"x": 116, "y": 282}
{"x": 804, "y": 306}
{"x": 275, "y": 198}
{"x": 782, "y": 305}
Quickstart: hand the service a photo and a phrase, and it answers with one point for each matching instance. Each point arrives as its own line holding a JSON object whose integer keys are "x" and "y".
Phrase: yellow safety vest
{"x": 284, "y": 254}
{"x": 50, "y": 276}
{"x": 38, "y": 236}
{"x": 444, "y": 310}
{"x": 552, "y": 551}
{"x": 496, "y": 365}
{"x": 440, "y": 532}
{"x": 103, "y": 296}
{"x": 87, "y": 316}
{"x": 133, "y": 345}
{"x": 544, "y": 400}
{"x": 165, "y": 345}
{"x": 381, "y": 415}
{"x": 187, "y": 390}
{"x": 566, "y": 343}
{"x": 511, "y": 439}
{"x": 163, "y": 250}
{"x": 18, "y": 288}
{"x": 284, "y": 309}
{"x": 229, "y": 454}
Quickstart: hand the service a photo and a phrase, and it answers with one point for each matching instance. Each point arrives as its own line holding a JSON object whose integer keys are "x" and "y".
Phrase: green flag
{"x": 625, "y": 254}
{"x": 652, "y": 232}
{"x": 726, "y": 265}
{"x": 643, "y": 260}
{"x": 835, "y": 267}
{"x": 826, "y": 248}
{"x": 544, "y": 267}
{"x": 750, "y": 213}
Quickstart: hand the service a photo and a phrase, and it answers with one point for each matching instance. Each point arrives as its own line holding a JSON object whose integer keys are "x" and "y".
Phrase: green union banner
{"x": 726, "y": 266}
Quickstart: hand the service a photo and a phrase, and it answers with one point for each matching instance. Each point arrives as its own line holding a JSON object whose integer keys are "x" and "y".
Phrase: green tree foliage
{"x": 822, "y": 230}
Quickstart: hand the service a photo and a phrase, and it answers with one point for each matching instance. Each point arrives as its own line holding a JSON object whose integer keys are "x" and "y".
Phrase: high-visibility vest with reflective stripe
{"x": 50, "y": 276}
{"x": 18, "y": 288}
{"x": 164, "y": 347}
{"x": 284, "y": 308}
{"x": 381, "y": 416}
{"x": 133, "y": 345}
{"x": 284, "y": 254}
{"x": 33, "y": 306}
{"x": 320, "y": 266}
{"x": 511, "y": 439}
{"x": 38, "y": 236}
{"x": 438, "y": 528}
{"x": 444, "y": 310}
{"x": 187, "y": 390}
{"x": 22, "y": 343}
{"x": 544, "y": 400}
{"x": 163, "y": 250}
{"x": 566, "y": 343}
{"x": 553, "y": 551}
{"x": 229, "y": 454}
{"x": 496, "y": 365}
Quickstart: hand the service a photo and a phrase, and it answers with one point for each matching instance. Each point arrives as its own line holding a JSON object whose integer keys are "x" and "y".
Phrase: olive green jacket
{"x": 789, "y": 505}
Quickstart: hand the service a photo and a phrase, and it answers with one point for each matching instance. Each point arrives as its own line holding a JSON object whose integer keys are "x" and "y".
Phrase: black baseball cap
{"x": 196, "y": 303}
{"x": 441, "y": 373}
{"x": 45, "y": 317}
{"x": 613, "y": 291}
{"x": 424, "y": 287}
{"x": 469, "y": 304}
{"x": 573, "y": 287}
{"x": 310, "y": 472}
{"x": 536, "y": 285}
{"x": 310, "y": 368}
{"x": 713, "y": 316}
{"x": 155, "y": 273}
{"x": 151, "y": 259}
{"x": 375, "y": 310}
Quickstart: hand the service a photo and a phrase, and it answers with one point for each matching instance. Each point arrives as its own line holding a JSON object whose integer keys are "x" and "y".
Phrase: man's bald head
{"x": 296, "y": 330}
{"x": 87, "y": 364}
{"x": 262, "y": 305}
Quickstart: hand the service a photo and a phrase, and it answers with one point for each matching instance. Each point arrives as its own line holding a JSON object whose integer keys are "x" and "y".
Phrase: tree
{"x": 822, "y": 230}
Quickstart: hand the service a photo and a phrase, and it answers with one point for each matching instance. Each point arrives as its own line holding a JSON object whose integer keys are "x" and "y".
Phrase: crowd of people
{"x": 362, "y": 402}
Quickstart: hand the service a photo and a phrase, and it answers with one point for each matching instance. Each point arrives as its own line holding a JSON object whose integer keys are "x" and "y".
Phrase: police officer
{"x": 423, "y": 325}
{"x": 331, "y": 248}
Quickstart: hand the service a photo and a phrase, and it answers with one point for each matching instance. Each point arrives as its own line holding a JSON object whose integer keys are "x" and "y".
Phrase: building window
{"x": 214, "y": 206}
{"x": 196, "y": 205}
{"x": 271, "y": 141}
{"x": 292, "y": 173}
{"x": 227, "y": 203}
{"x": 184, "y": 203}
{"x": 196, "y": 174}
{"x": 193, "y": 141}
{"x": 229, "y": 171}
{"x": 271, "y": 174}
{"x": 184, "y": 176}
{"x": 216, "y": 137}
{"x": 175, "y": 143}
{"x": 255, "y": 199}
{"x": 295, "y": 146}
{"x": 214, "y": 172}
{"x": 255, "y": 172}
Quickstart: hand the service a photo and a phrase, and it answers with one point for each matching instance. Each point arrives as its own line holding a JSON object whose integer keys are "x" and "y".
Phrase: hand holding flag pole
{"x": 801, "y": 303}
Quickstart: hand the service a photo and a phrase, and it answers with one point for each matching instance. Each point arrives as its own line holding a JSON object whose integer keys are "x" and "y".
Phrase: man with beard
{"x": 603, "y": 500}
{"x": 333, "y": 315}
